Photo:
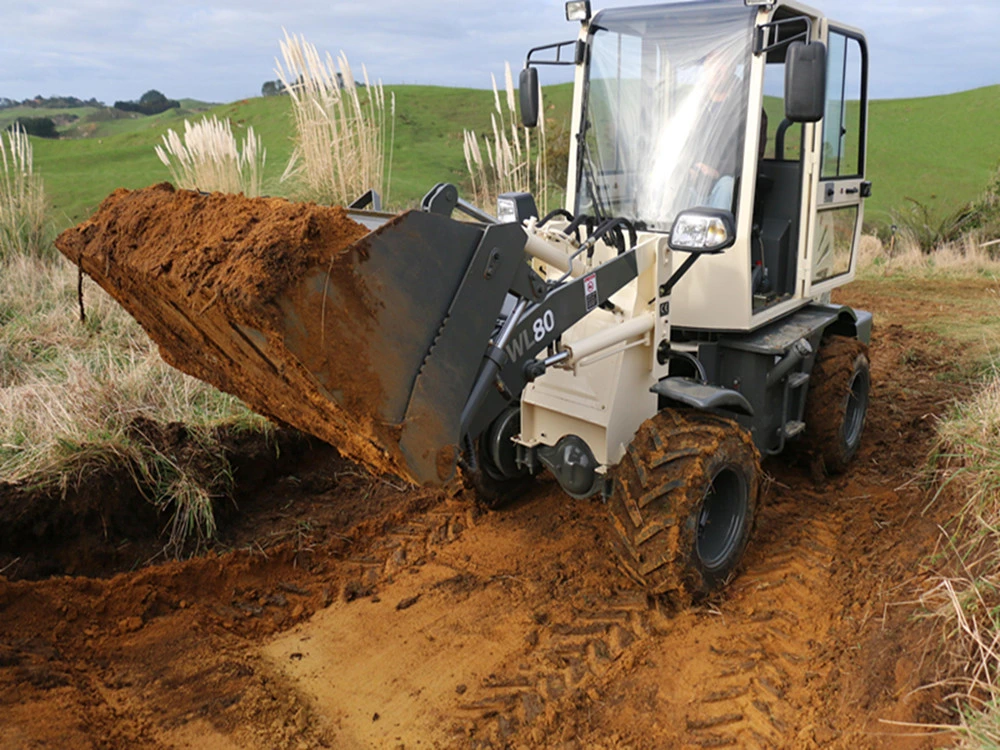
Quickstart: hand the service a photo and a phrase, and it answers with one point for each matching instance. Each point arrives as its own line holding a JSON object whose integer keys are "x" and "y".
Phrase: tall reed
{"x": 343, "y": 131}
{"x": 24, "y": 224}
{"x": 208, "y": 158}
{"x": 512, "y": 162}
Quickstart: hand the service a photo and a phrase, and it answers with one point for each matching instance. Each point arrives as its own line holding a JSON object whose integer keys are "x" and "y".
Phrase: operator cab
{"x": 685, "y": 107}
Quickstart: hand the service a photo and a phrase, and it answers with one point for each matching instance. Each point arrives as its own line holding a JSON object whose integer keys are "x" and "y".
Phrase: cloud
{"x": 220, "y": 50}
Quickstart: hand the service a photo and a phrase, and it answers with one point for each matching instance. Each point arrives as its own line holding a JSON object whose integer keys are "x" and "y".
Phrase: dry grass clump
{"x": 343, "y": 138}
{"x": 208, "y": 158}
{"x": 24, "y": 224}
{"x": 72, "y": 395}
{"x": 511, "y": 163}
{"x": 971, "y": 435}
{"x": 966, "y": 605}
{"x": 904, "y": 255}
{"x": 966, "y": 609}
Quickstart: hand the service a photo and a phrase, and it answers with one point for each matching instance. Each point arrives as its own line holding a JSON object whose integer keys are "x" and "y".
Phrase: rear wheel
{"x": 837, "y": 403}
{"x": 683, "y": 502}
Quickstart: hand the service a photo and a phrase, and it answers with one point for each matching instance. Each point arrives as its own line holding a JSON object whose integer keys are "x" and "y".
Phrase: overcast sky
{"x": 223, "y": 50}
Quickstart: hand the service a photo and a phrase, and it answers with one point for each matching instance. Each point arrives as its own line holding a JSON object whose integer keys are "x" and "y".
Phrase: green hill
{"x": 106, "y": 150}
{"x": 940, "y": 151}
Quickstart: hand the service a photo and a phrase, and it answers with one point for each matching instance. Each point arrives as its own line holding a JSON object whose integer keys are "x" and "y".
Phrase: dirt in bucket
{"x": 217, "y": 280}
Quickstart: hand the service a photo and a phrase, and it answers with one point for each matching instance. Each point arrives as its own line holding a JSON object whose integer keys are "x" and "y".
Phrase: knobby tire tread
{"x": 654, "y": 502}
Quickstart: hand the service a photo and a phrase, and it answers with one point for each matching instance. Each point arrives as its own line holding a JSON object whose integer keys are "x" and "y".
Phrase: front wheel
{"x": 497, "y": 479}
{"x": 683, "y": 502}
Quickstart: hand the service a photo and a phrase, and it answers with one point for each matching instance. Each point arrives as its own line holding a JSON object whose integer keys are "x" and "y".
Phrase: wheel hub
{"x": 722, "y": 518}
{"x": 857, "y": 406}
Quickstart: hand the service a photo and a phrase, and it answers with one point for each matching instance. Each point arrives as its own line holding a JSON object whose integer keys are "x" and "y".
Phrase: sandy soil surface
{"x": 343, "y": 610}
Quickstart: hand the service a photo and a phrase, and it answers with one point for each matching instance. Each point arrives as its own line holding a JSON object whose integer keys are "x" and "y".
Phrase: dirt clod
{"x": 407, "y": 602}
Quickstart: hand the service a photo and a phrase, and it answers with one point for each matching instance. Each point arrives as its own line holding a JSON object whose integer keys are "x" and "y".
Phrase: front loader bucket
{"x": 363, "y": 329}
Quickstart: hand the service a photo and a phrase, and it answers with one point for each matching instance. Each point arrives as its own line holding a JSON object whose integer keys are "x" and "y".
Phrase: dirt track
{"x": 356, "y": 614}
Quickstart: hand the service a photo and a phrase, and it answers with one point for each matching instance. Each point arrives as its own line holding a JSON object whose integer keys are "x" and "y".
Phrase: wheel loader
{"x": 645, "y": 344}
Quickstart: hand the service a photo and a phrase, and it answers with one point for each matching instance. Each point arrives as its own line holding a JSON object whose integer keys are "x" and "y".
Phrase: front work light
{"x": 578, "y": 10}
{"x": 515, "y": 207}
{"x": 703, "y": 230}
{"x": 506, "y": 210}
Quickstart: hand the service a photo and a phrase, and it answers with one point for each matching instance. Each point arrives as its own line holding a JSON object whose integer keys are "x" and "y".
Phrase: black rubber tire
{"x": 492, "y": 488}
{"x": 491, "y": 492}
{"x": 683, "y": 503}
{"x": 837, "y": 403}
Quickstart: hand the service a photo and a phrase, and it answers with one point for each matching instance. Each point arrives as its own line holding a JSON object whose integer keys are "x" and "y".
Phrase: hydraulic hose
{"x": 495, "y": 359}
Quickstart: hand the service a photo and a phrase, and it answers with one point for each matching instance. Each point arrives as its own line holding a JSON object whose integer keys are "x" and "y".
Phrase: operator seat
{"x": 776, "y": 221}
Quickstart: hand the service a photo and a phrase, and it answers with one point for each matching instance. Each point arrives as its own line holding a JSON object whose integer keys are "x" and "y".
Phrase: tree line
{"x": 152, "y": 102}
{"x": 51, "y": 102}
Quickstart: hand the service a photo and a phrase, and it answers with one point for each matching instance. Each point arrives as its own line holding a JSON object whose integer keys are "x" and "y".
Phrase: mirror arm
{"x": 760, "y": 48}
{"x": 668, "y": 287}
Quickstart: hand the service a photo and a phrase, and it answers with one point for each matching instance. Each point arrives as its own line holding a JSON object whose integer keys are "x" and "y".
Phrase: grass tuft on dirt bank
{"x": 903, "y": 257}
{"x": 78, "y": 397}
{"x": 966, "y": 599}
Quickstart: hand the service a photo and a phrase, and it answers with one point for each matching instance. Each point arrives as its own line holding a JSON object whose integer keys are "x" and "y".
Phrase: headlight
{"x": 506, "y": 210}
{"x": 703, "y": 231}
{"x": 578, "y": 10}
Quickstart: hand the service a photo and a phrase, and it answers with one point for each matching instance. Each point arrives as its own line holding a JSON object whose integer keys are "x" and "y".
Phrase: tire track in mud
{"x": 758, "y": 651}
{"x": 552, "y": 649}
{"x": 764, "y": 667}
{"x": 409, "y": 543}
{"x": 566, "y": 660}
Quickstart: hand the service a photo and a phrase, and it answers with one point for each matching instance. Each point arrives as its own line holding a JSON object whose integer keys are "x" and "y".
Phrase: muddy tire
{"x": 491, "y": 492}
{"x": 492, "y": 487}
{"x": 837, "y": 403}
{"x": 683, "y": 503}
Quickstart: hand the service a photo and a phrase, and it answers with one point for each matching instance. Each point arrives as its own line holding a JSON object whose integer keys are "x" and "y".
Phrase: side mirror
{"x": 528, "y": 92}
{"x": 805, "y": 82}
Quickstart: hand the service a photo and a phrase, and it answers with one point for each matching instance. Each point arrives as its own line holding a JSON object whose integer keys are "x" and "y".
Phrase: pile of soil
{"x": 218, "y": 281}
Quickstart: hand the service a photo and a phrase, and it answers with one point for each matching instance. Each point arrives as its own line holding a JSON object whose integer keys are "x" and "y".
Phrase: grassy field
{"x": 939, "y": 151}
{"x": 80, "y": 172}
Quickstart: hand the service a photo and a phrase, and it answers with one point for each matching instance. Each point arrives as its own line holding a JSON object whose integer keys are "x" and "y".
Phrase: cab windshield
{"x": 665, "y": 112}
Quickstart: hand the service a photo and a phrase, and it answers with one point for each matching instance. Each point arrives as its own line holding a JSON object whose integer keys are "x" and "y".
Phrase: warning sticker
{"x": 590, "y": 291}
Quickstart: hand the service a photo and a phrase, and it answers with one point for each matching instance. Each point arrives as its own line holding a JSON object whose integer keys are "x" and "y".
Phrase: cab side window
{"x": 843, "y": 154}
{"x": 842, "y": 160}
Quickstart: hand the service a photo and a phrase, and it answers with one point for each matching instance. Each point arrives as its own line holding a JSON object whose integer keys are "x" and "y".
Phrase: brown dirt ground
{"x": 345, "y": 611}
